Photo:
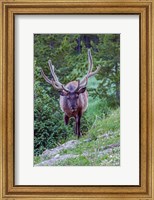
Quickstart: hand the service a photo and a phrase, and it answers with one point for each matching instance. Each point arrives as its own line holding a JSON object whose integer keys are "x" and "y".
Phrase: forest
{"x": 68, "y": 53}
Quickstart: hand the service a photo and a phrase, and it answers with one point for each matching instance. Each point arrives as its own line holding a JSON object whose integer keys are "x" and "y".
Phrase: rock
{"x": 104, "y": 150}
{"x": 47, "y": 154}
{"x": 107, "y": 151}
{"x": 106, "y": 135}
{"x": 56, "y": 156}
{"x": 85, "y": 153}
{"x": 53, "y": 156}
{"x": 87, "y": 140}
{"x": 55, "y": 159}
{"x": 111, "y": 146}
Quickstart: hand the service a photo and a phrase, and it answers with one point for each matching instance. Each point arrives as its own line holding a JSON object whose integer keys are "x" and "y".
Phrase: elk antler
{"x": 89, "y": 74}
{"x": 54, "y": 81}
{"x": 81, "y": 84}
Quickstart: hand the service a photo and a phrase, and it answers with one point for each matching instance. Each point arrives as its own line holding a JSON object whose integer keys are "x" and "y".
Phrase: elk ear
{"x": 63, "y": 93}
{"x": 81, "y": 90}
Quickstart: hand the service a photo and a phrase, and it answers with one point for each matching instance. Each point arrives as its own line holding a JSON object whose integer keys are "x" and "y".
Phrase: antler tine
{"x": 84, "y": 81}
{"x": 90, "y": 61}
{"x": 50, "y": 81}
{"x": 53, "y": 72}
{"x": 95, "y": 72}
{"x": 45, "y": 77}
{"x": 59, "y": 88}
{"x": 76, "y": 89}
{"x": 54, "y": 81}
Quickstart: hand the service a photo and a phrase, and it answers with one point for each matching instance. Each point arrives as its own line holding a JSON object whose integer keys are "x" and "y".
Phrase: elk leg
{"x": 79, "y": 132}
{"x": 78, "y": 125}
{"x": 75, "y": 129}
{"x": 66, "y": 119}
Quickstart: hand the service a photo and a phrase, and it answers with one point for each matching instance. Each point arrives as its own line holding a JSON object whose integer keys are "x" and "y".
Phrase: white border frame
{"x": 128, "y": 172}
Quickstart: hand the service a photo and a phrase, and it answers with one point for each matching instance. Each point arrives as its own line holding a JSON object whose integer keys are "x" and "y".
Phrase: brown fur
{"x": 82, "y": 104}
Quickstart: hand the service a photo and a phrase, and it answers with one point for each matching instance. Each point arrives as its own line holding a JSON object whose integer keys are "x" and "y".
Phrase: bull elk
{"x": 73, "y": 96}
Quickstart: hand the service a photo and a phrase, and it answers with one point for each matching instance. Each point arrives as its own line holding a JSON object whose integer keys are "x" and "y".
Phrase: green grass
{"x": 95, "y": 151}
{"x": 110, "y": 123}
{"x": 37, "y": 160}
{"x": 96, "y": 106}
{"x": 80, "y": 161}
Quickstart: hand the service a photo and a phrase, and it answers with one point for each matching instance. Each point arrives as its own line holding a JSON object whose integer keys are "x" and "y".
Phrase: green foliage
{"x": 49, "y": 129}
{"x": 68, "y": 53}
{"x": 79, "y": 161}
{"x": 37, "y": 160}
{"x": 108, "y": 56}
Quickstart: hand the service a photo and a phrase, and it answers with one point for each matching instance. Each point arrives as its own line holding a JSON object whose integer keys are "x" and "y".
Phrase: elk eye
{"x": 77, "y": 96}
